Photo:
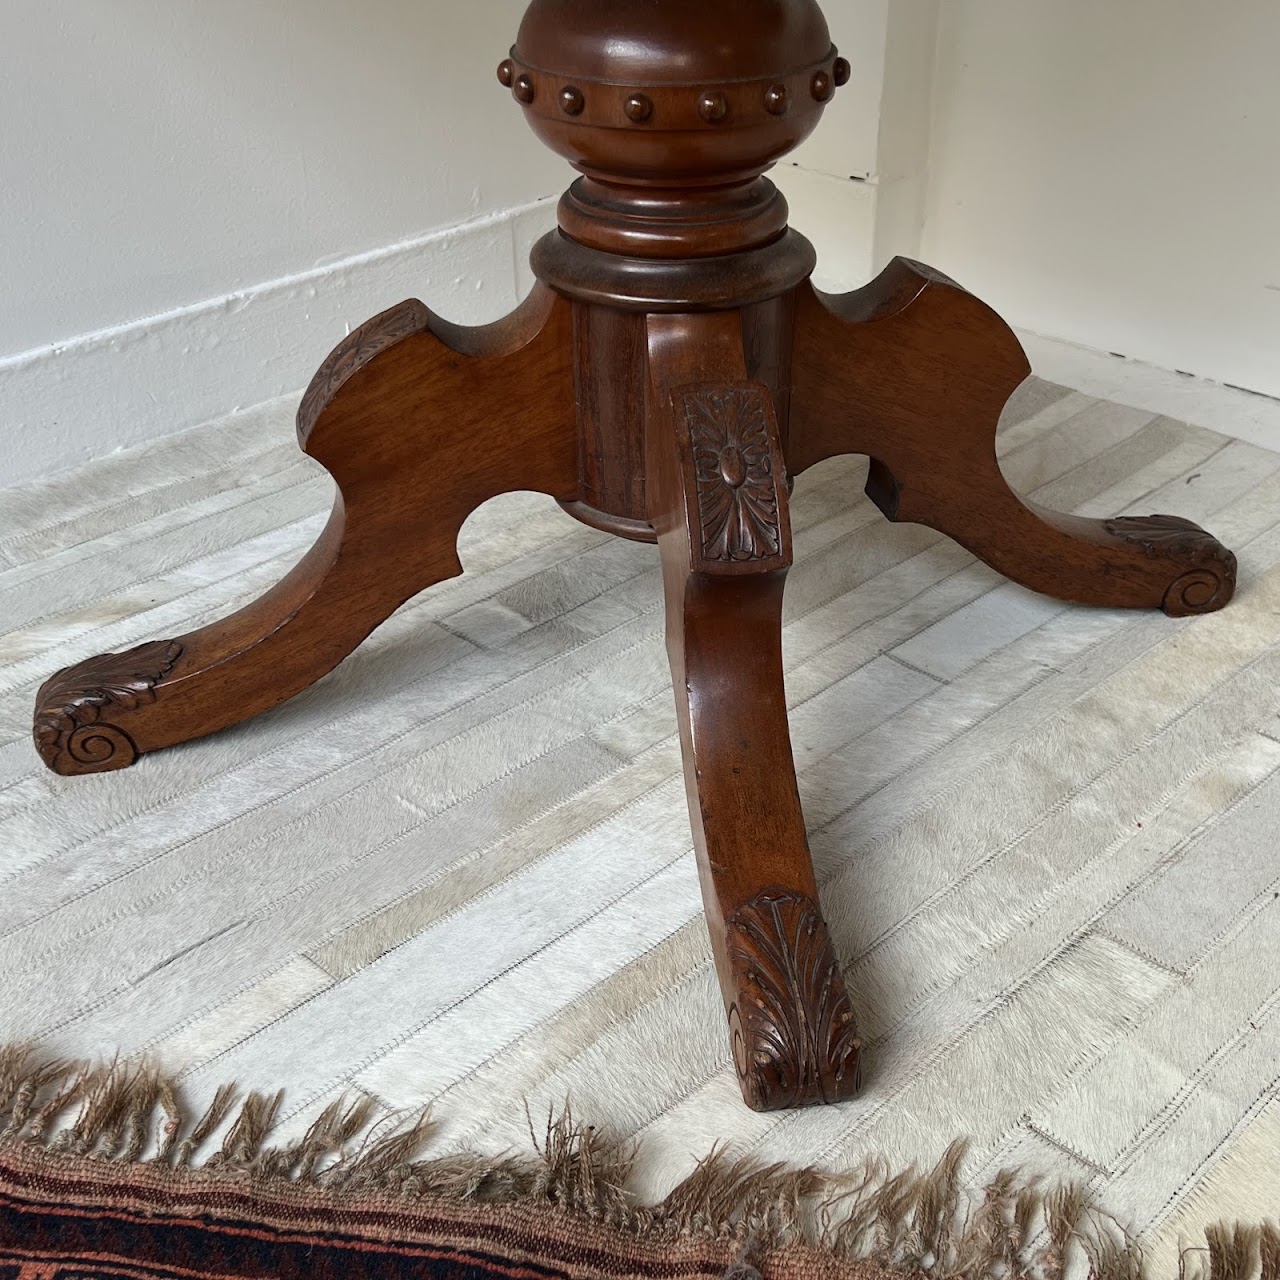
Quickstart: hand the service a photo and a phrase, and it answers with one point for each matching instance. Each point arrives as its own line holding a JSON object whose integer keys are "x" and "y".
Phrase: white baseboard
{"x": 1243, "y": 414}
{"x": 121, "y": 387}
{"x": 63, "y": 404}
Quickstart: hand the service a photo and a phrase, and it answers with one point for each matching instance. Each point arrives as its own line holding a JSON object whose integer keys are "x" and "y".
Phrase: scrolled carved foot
{"x": 413, "y": 418}
{"x": 794, "y": 1035}
{"x": 915, "y": 373}
{"x": 1204, "y": 587}
{"x": 77, "y": 711}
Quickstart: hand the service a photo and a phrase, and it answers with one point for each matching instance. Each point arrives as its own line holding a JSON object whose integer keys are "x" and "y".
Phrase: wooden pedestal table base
{"x": 671, "y": 371}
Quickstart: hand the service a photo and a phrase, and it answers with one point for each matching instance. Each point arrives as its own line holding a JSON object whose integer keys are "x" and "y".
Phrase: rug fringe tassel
{"x": 906, "y": 1222}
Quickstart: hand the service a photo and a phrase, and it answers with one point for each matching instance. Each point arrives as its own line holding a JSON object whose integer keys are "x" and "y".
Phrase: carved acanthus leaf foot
{"x": 794, "y": 1035}
{"x": 76, "y": 710}
{"x": 1208, "y": 578}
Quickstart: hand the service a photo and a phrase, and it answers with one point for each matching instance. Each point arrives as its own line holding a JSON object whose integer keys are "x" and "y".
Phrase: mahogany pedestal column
{"x": 670, "y": 374}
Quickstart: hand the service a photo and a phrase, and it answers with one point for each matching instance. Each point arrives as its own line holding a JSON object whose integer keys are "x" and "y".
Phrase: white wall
{"x": 1109, "y": 173}
{"x": 197, "y": 200}
{"x": 829, "y": 181}
{"x": 905, "y": 129}
{"x": 159, "y": 152}
{"x": 857, "y": 187}
{"x": 209, "y": 164}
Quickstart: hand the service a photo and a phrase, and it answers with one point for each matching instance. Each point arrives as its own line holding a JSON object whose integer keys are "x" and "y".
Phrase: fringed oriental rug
{"x": 102, "y": 1174}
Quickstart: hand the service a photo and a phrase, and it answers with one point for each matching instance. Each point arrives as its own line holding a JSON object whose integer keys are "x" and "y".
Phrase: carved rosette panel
{"x": 75, "y": 731}
{"x": 354, "y": 352}
{"x": 795, "y": 1039}
{"x": 1210, "y": 580}
{"x": 740, "y": 510}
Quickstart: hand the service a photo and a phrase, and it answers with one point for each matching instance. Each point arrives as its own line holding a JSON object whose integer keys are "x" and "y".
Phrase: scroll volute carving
{"x": 1206, "y": 587}
{"x": 78, "y": 710}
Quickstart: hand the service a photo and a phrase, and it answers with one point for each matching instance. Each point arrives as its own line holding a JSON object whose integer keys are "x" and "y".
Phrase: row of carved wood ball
{"x": 713, "y": 106}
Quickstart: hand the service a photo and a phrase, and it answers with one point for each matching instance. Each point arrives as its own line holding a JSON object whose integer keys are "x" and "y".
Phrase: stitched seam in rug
{"x": 931, "y": 1057}
{"x": 1177, "y": 1197}
{"x": 1159, "y": 805}
{"x": 322, "y": 777}
{"x": 937, "y": 798}
{"x": 207, "y": 868}
{"x": 391, "y": 1045}
{"x": 1163, "y": 1120}
{"x": 267, "y": 495}
{"x": 1079, "y": 872}
{"x": 286, "y": 449}
{"x": 1064, "y": 802}
{"x": 424, "y": 885}
{"x": 302, "y": 787}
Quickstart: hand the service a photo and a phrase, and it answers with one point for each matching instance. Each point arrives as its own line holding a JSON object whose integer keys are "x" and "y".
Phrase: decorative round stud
{"x": 775, "y": 100}
{"x": 524, "y": 90}
{"x": 571, "y": 100}
{"x": 842, "y": 71}
{"x": 507, "y": 73}
{"x": 713, "y": 107}
{"x": 638, "y": 108}
{"x": 821, "y": 86}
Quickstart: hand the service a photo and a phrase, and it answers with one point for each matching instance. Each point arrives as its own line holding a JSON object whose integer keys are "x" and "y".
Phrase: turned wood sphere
{"x": 671, "y": 91}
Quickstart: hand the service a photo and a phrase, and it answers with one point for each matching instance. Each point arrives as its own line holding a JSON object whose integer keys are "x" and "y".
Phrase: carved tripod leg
{"x": 419, "y": 422}
{"x": 718, "y": 499}
{"x": 915, "y": 372}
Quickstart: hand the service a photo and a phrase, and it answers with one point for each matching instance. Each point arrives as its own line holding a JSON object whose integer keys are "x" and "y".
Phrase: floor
{"x": 1231, "y": 411}
{"x": 458, "y": 871}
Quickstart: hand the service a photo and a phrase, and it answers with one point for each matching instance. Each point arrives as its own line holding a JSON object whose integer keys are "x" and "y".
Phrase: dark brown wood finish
{"x": 608, "y": 349}
{"x": 668, "y": 377}
{"x": 718, "y": 500}
{"x": 404, "y": 401}
{"x": 914, "y": 372}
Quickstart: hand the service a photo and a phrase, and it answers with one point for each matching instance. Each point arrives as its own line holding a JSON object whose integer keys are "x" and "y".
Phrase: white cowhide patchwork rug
{"x": 458, "y": 871}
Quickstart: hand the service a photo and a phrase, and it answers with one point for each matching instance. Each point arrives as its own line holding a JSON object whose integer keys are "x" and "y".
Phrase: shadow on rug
{"x": 99, "y": 1178}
